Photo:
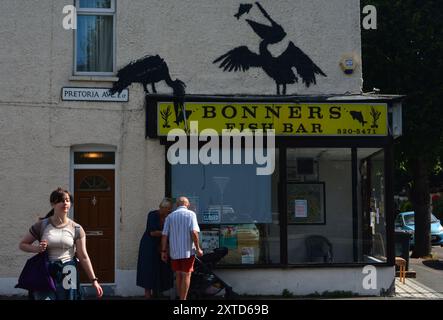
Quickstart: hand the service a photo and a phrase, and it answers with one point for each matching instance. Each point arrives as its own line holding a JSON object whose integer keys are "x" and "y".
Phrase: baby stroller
{"x": 204, "y": 282}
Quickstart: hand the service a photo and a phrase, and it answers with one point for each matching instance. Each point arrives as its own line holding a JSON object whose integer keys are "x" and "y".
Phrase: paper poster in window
{"x": 301, "y": 208}
{"x": 306, "y": 202}
{"x": 247, "y": 255}
{"x": 210, "y": 216}
{"x": 209, "y": 240}
{"x": 228, "y": 236}
{"x": 377, "y": 215}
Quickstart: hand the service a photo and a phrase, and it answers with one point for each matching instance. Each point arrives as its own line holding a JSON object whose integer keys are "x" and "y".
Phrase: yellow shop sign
{"x": 288, "y": 119}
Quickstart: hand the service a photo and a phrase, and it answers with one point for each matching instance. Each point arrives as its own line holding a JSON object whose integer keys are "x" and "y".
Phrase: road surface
{"x": 430, "y": 272}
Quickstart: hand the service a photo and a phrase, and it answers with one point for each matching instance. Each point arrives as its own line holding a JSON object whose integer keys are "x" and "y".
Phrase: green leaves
{"x": 404, "y": 56}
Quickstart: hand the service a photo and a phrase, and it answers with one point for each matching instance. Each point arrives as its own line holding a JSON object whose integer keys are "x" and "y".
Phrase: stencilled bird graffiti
{"x": 278, "y": 68}
{"x": 150, "y": 70}
{"x": 244, "y": 8}
{"x": 358, "y": 116}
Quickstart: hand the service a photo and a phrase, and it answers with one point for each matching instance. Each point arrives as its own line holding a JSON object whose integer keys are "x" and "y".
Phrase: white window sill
{"x": 94, "y": 78}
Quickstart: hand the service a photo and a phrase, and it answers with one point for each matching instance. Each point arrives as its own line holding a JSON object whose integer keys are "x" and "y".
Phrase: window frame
{"x": 79, "y": 9}
{"x": 323, "y": 203}
{"x": 284, "y": 224}
{"x": 96, "y": 12}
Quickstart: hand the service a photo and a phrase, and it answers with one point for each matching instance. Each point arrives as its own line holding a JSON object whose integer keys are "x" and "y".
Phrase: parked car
{"x": 405, "y": 223}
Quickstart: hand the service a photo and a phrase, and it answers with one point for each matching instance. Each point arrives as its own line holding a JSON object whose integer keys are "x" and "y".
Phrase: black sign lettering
{"x": 225, "y": 112}
{"x": 251, "y": 113}
{"x": 313, "y": 111}
{"x": 230, "y": 125}
{"x": 208, "y": 112}
{"x": 316, "y": 128}
{"x": 267, "y": 126}
{"x": 295, "y": 112}
{"x": 334, "y": 112}
{"x": 288, "y": 127}
{"x": 301, "y": 129}
{"x": 253, "y": 126}
{"x": 276, "y": 113}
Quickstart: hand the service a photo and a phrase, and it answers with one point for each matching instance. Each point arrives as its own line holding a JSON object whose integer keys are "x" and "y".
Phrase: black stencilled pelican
{"x": 278, "y": 68}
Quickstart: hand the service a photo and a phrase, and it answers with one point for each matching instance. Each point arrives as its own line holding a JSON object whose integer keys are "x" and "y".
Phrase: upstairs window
{"x": 94, "y": 39}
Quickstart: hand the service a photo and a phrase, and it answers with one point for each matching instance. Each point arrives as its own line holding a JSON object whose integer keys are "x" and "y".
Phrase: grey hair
{"x": 166, "y": 202}
{"x": 182, "y": 201}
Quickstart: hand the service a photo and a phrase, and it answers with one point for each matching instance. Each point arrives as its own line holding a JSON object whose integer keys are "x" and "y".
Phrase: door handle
{"x": 94, "y": 233}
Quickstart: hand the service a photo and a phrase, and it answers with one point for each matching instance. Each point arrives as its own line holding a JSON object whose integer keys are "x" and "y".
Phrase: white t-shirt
{"x": 60, "y": 239}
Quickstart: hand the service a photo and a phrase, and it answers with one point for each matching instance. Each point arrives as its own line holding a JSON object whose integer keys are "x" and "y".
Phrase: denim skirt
{"x": 67, "y": 282}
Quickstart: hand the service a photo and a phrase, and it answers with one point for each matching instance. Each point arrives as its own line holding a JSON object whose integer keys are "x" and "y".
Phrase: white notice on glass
{"x": 247, "y": 255}
{"x": 301, "y": 208}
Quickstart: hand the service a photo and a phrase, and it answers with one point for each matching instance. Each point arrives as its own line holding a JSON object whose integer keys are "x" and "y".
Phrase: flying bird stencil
{"x": 244, "y": 8}
{"x": 280, "y": 68}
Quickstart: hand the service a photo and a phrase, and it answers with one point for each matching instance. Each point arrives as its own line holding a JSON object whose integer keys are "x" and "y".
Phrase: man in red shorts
{"x": 181, "y": 231}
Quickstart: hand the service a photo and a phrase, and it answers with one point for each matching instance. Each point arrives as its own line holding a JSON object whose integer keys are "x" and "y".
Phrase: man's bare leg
{"x": 178, "y": 281}
{"x": 186, "y": 282}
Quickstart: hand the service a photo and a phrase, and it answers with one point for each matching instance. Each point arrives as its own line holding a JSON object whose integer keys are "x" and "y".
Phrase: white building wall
{"x": 305, "y": 281}
{"x": 203, "y": 30}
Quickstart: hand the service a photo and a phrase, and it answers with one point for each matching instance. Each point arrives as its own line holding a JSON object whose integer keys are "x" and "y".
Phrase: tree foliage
{"x": 404, "y": 55}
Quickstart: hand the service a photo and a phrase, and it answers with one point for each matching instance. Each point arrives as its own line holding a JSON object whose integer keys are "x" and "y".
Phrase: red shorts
{"x": 183, "y": 265}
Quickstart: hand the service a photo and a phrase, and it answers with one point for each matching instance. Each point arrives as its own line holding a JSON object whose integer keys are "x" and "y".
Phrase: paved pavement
{"x": 428, "y": 283}
{"x": 430, "y": 272}
{"x": 412, "y": 289}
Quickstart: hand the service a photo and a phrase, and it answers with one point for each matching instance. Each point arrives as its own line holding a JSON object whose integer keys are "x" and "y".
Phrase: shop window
{"x": 373, "y": 207}
{"x": 319, "y": 206}
{"x": 327, "y": 221}
{"x": 326, "y": 226}
{"x": 94, "y": 40}
{"x": 236, "y": 209}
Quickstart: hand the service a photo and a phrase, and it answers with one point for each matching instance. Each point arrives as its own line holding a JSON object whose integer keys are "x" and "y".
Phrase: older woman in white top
{"x": 64, "y": 240}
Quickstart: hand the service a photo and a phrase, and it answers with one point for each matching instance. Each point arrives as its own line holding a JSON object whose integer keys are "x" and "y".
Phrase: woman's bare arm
{"x": 85, "y": 262}
{"x": 83, "y": 256}
{"x": 26, "y": 244}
